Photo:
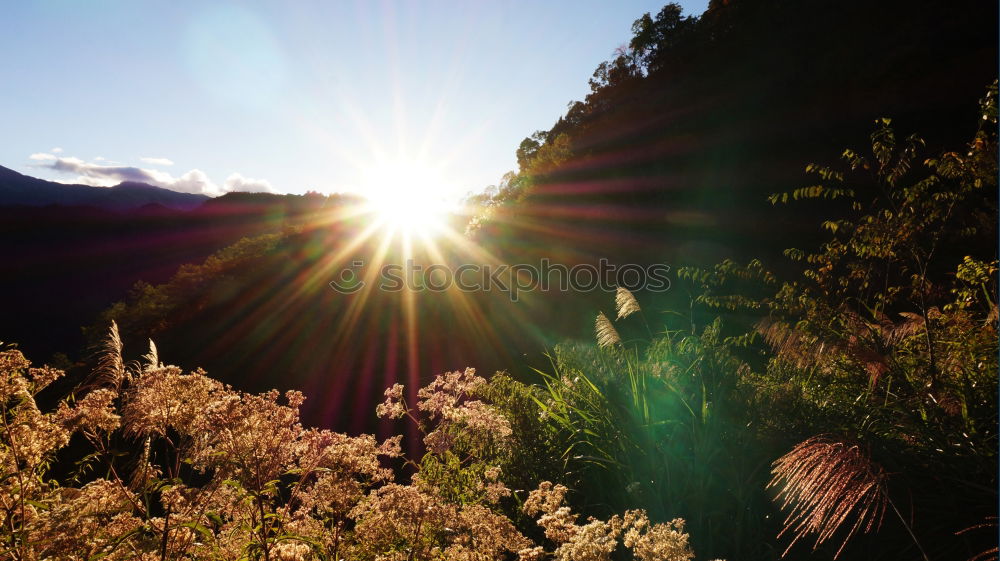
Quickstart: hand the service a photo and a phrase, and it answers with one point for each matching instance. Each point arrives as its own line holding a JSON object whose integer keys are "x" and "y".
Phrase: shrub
{"x": 181, "y": 466}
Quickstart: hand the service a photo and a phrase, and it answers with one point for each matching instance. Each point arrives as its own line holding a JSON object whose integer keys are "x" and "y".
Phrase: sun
{"x": 408, "y": 196}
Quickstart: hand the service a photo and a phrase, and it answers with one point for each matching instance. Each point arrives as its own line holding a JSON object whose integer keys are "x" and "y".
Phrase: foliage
{"x": 657, "y": 428}
{"x": 183, "y": 467}
{"x": 148, "y": 308}
{"x": 878, "y": 360}
{"x": 866, "y": 381}
{"x": 535, "y": 159}
{"x": 889, "y": 336}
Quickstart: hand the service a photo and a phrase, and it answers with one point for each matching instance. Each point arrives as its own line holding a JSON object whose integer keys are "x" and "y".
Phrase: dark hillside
{"x": 671, "y": 157}
{"x": 71, "y": 261}
{"x": 684, "y": 135}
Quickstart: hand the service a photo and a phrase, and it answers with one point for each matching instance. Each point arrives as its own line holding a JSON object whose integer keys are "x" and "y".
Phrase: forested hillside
{"x": 696, "y": 121}
{"x": 72, "y": 261}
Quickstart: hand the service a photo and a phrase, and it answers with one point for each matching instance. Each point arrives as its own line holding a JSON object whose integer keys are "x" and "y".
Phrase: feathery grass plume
{"x": 626, "y": 303}
{"x": 152, "y": 358}
{"x": 912, "y": 326}
{"x": 827, "y": 483}
{"x": 110, "y": 370}
{"x": 607, "y": 335}
{"x": 144, "y": 470}
{"x": 991, "y": 554}
{"x": 788, "y": 343}
{"x": 859, "y": 341}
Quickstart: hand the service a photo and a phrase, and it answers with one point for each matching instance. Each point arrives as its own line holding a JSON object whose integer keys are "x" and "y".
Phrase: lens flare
{"x": 408, "y": 196}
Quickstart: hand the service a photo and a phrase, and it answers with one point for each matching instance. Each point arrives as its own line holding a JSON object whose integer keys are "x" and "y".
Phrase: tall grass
{"x": 655, "y": 424}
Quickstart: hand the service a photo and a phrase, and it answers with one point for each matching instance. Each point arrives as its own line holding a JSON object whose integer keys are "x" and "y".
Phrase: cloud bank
{"x": 237, "y": 182}
{"x": 106, "y": 175}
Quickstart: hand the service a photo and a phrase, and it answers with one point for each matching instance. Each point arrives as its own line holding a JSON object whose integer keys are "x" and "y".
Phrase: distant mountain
{"x": 17, "y": 189}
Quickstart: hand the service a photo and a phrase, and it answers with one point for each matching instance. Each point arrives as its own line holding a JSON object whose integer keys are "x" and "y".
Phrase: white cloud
{"x": 106, "y": 175}
{"x": 56, "y": 150}
{"x": 194, "y": 181}
{"x": 236, "y": 182}
{"x": 157, "y": 161}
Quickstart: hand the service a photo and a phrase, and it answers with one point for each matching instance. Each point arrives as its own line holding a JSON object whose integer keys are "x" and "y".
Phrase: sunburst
{"x": 408, "y": 196}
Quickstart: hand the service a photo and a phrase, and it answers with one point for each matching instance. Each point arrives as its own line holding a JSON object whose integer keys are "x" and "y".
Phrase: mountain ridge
{"x": 17, "y": 189}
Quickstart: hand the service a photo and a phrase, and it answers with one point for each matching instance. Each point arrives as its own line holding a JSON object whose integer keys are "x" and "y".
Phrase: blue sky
{"x": 292, "y": 96}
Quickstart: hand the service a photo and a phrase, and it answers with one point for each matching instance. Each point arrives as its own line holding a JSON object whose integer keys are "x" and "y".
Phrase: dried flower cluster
{"x": 452, "y": 412}
{"x": 212, "y": 473}
{"x": 597, "y": 540}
